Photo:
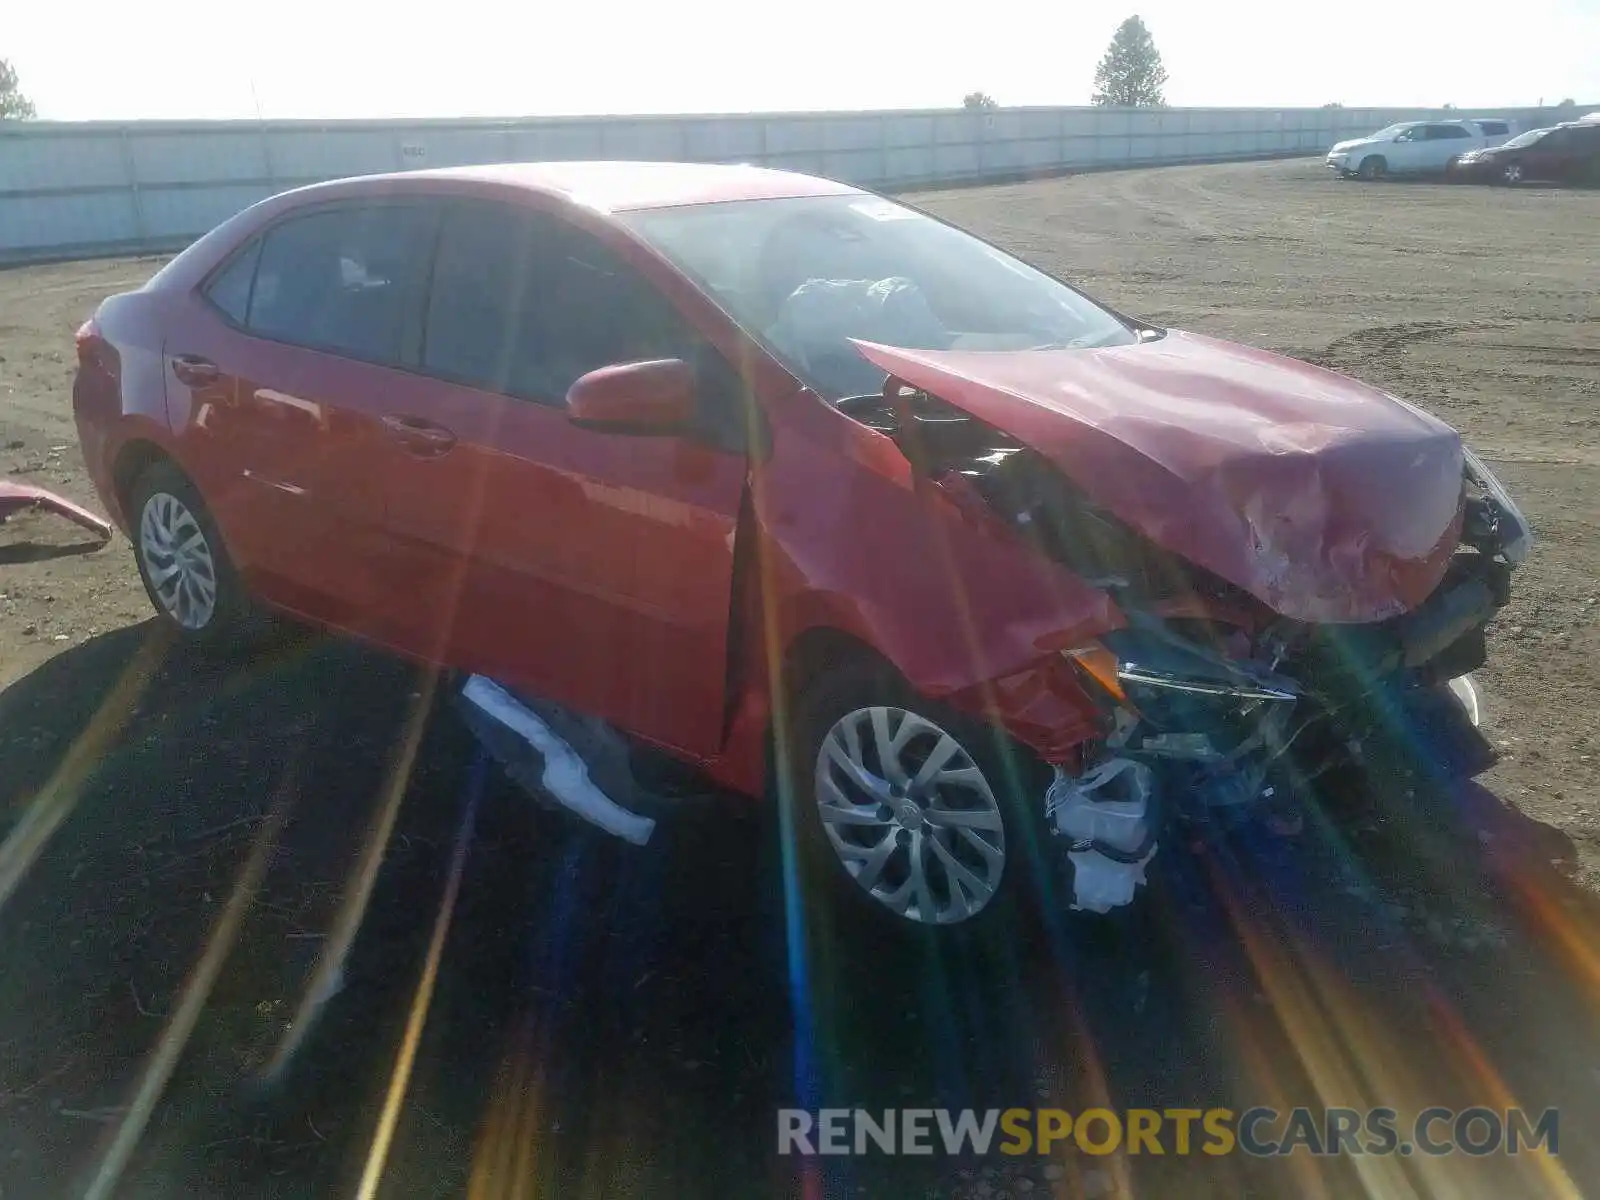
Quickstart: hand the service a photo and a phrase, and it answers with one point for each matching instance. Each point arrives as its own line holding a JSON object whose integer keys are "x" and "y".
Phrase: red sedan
{"x": 829, "y": 498}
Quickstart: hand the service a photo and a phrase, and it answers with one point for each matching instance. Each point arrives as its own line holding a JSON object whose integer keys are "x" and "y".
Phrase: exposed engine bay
{"x": 1216, "y": 707}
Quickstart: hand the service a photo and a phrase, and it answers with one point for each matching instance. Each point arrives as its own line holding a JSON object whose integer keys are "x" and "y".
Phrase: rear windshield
{"x": 807, "y": 274}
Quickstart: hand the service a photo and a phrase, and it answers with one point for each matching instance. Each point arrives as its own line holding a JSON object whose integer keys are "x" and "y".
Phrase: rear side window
{"x": 343, "y": 279}
{"x": 1439, "y": 132}
{"x": 229, "y": 288}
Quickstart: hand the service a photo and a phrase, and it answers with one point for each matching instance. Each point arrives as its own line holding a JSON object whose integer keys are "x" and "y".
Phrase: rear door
{"x": 591, "y": 568}
{"x": 284, "y": 392}
{"x": 1579, "y": 162}
{"x": 1443, "y": 142}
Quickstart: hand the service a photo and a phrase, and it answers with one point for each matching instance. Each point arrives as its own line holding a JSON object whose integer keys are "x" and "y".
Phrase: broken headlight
{"x": 1496, "y": 511}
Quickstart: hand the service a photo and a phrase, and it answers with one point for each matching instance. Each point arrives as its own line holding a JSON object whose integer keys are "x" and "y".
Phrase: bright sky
{"x": 121, "y": 59}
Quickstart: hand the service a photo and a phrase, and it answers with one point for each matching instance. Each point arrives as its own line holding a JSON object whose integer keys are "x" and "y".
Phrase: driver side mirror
{"x": 644, "y": 398}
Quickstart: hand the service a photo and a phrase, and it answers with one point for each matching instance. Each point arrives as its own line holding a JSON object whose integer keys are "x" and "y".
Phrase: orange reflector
{"x": 1101, "y": 666}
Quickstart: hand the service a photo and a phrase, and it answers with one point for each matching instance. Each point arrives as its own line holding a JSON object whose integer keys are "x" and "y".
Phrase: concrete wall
{"x": 80, "y": 189}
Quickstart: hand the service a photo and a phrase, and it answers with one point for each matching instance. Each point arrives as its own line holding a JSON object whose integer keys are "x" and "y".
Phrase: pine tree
{"x": 1130, "y": 75}
{"x": 12, "y": 102}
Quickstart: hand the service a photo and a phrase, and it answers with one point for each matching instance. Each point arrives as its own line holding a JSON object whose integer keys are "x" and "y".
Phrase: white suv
{"x": 1416, "y": 147}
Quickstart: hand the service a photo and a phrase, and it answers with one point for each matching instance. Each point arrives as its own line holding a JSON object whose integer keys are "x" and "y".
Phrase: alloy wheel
{"x": 1513, "y": 173}
{"x": 910, "y": 815}
{"x": 178, "y": 561}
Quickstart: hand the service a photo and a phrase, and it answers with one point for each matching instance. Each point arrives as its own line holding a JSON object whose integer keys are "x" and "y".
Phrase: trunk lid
{"x": 1326, "y": 499}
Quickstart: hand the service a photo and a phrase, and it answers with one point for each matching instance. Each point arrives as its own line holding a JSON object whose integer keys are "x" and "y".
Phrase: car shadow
{"x": 617, "y": 1021}
{"x": 26, "y": 552}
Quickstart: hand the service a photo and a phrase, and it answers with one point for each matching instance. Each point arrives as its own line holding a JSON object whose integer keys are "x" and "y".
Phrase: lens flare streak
{"x": 191, "y": 1002}
{"x": 422, "y": 998}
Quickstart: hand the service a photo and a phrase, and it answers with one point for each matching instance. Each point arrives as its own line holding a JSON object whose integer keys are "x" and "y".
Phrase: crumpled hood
{"x": 1326, "y": 499}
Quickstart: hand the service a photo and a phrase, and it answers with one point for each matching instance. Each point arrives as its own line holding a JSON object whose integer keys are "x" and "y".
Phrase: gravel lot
{"x": 644, "y": 1054}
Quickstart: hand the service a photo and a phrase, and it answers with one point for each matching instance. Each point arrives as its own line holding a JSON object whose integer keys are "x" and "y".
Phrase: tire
{"x": 1509, "y": 175}
{"x": 1001, "y": 807}
{"x": 1374, "y": 166}
{"x": 184, "y": 565}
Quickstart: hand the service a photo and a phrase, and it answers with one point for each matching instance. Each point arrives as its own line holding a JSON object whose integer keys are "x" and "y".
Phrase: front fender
{"x": 849, "y": 539}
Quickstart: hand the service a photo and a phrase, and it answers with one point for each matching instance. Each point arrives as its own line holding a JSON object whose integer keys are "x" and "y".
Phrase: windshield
{"x": 807, "y": 274}
{"x": 1391, "y": 130}
{"x": 1524, "y": 139}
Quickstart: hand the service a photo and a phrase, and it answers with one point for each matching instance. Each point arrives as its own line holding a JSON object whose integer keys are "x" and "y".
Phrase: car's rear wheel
{"x": 906, "y": 813}
{"x": 1374, "y": 166}
{"x": 183, "y": 563}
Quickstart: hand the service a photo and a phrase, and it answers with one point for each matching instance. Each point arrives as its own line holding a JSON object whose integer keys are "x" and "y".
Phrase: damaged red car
{"x": 843, "y": 506}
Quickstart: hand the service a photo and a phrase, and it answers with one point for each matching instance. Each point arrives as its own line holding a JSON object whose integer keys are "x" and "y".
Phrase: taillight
{"x": 92, "y": 347}
{"x": 88, "y": 333}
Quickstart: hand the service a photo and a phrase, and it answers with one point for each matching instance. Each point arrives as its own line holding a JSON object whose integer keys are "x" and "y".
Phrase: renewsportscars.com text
{"x": 1260, "y": 1132}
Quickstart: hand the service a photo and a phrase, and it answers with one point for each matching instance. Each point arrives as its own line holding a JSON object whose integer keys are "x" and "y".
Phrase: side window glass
{"x": 341, "y": 279}
{"x": 478, "y": 329}
{"x": 524, "y": 305}
{"x": 229, "y": 289}
{"x": 595, "y": 310}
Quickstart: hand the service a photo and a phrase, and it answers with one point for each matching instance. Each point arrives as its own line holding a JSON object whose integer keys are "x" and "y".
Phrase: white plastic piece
{"x": 1467, "y": 693}
{"x": 565, "y": 776}
{"x": 1100, "y": 884}
{"x": 1081, "y": 816}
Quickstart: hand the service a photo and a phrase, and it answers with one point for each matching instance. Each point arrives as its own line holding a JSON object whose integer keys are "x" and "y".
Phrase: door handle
{"x": 194, "y": 370}
{"x": 418, "y": 434}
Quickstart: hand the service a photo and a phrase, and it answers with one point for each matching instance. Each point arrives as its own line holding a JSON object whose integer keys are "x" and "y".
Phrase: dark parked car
{"x": 837, "y": 502}
{"x": 1568, "y": 153}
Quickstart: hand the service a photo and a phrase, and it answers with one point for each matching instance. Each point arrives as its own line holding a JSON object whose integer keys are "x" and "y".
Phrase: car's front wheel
{"x": 183, "y": 563}
{"x": 1511, "y": 174}
{"x": 907, "y": 812}
{"x": 1374, "y": 166}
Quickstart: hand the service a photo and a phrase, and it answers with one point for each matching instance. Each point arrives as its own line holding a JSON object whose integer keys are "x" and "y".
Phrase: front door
{"x": 591, "y": 568}
{"x": 1408, "y": 150}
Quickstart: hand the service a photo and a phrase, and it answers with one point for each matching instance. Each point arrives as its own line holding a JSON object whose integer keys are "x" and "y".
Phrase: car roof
{"x": 619, "y": 186}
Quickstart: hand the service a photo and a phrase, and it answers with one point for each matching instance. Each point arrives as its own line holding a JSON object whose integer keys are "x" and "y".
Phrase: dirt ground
{"x": 628, "y": 1026}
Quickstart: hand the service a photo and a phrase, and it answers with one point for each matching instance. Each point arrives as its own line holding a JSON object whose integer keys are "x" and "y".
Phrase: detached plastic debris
{"x": 523, "y": 737}
{"x": 15, "y": 497}
{"x": 1100, "y": 884}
